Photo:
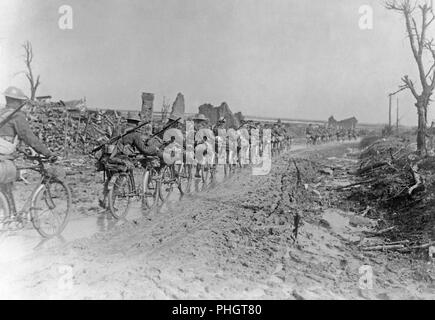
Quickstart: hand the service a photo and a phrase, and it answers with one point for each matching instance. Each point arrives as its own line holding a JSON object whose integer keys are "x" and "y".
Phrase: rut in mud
{"x": 233, "y": 241}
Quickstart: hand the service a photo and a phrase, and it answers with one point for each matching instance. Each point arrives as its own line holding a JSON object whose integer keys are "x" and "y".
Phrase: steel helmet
{"x": 200, "y": 117}
{"x": 174, "y": 117}
{"x": 133, "y": 117}
{"x": 15, "y": 93}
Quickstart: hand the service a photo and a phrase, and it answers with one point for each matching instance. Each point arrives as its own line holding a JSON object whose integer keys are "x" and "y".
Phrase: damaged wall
{"x": 214, "y": 113}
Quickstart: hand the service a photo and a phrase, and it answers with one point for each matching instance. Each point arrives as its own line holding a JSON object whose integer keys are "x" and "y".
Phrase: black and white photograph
{"x": 237, "y": 150}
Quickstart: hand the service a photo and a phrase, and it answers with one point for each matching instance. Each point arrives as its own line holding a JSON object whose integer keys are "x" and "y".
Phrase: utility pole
{"x": 397, "y": 115}
{"x": 389, "y": 111}
{"x": 390, "y": 95}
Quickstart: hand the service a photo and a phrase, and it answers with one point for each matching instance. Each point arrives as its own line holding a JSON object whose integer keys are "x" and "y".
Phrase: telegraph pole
{"x": 397, "y": 115}
{"x": 390, "y": 95}
{"x": 389, "y": 111}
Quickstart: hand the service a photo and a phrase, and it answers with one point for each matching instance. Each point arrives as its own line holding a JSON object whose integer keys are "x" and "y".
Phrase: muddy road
{"x": 233, "y": 240}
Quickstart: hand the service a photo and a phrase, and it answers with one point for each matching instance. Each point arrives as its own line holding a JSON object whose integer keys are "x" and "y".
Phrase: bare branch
{"x": 410, "y": 85}
{"x": 28, "y": 58}
{"x": 37, "y": 83}
{"x": 418, "y": 43}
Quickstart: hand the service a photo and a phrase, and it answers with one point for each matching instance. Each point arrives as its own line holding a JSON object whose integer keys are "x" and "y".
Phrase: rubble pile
{"x": 387, "y": 169}
{"x": 67, "y": 130}
{"x": 398, "y": 188}
{"x": 53, "y": 125}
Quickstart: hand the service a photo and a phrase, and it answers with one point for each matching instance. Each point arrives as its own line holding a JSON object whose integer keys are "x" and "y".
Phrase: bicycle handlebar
{"x": 42, "y": 159}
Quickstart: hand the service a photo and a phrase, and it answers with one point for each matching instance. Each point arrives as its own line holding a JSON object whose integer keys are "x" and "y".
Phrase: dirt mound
{"x": 400, "y": 186}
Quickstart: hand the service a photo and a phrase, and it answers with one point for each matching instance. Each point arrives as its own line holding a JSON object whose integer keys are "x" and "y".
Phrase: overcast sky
{"x": 285, "y": 58}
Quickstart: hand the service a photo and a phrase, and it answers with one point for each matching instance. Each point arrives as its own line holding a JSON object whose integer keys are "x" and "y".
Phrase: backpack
{"x": 6, "y": 147}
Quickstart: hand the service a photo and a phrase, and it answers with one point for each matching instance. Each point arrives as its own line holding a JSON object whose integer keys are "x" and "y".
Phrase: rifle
{"x": 9, "y": 117}
{"x": 114, "y": 139}
{"x": 240, "y": 126}
{"x": 166, "y": 127}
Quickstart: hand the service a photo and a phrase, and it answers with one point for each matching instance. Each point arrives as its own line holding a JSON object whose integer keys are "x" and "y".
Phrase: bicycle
{"x": 51, "y": 195}
{"x": 168, "y": 179}
{"x": 123, "y": 188}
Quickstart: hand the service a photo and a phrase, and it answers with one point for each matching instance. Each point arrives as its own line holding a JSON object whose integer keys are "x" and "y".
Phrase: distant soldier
{"x": 430, "y": 133}
{"x": 219, "y": 125}
{"x": 309, "y": 131}
{"x": 220, "y": 140}
{"x": 200, "y": 121}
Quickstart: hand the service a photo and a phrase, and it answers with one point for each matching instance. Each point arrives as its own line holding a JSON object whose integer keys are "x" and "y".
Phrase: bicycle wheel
{"x": 205, "y": 173}
{"x": 201, "y": 177}
{"x": 167, "y": 183}
{"x": 51, "y": 207}
{"x": 150, "y": 187}
{"x": 120, "y": 196}
{"x": 184, "y": 177}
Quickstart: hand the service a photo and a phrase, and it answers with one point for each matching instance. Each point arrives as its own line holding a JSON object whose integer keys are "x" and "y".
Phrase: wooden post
{"x": 76, "y": 135}
{"x": 85, "y": 132}
{"x": 65, "y": 145}
{"x": 147, "y": 106}
{"x": 397, "y": 115}
{"x": 389, "y": 112}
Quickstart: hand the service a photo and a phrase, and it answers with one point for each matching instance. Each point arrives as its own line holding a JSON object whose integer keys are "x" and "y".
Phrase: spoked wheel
{"x": 150, "y": 187}
{"x": 213, "y": 170}
{"x": 229, "y": 169}
{"x": 120, "y": 196}
{"x": 184, "y": 177}
{"x": 233, "y": 167}
{"x": 167, "y": 183}
{"x": 200, "y": 178}
{"x": 205, "y": 174}
{"x": 51, "y": 207}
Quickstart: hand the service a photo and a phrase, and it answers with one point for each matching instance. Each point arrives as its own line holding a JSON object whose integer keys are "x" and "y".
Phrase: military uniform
{"x": 430, "y": 133}
{"x": 18, "y": 126}
{"x": 134, "y": 140}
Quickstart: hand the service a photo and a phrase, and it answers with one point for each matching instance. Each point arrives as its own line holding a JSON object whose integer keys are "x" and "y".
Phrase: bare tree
{"x": 28, "y": 58}
{"x": 423, "y": 50}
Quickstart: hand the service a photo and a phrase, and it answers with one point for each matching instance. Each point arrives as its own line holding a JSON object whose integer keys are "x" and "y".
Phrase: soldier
{"x": 309, "y": 133}
{"x": 219, "y": 125}
{"x": 178, "y": 140}
{"x": 430, "y": 133}
{"x": 200, "y": 121}
{"x": 133, "y": 141}
{"x": 17, "y": 128}
{"x": 128, "y": 145}
{"x": 220, "y": 140}
{"x": 179, "y": 124}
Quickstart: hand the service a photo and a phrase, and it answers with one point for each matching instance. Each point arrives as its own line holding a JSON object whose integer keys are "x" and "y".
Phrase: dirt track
{"x": 232, "y": 241}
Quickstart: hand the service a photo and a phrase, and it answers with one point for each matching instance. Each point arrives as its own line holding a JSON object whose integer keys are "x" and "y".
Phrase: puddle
{"x": 83, "y": 224}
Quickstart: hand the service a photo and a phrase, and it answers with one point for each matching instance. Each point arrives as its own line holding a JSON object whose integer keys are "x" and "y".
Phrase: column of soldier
{"x": 121, "y": 142}
{"x": 324, "y": 133}
{"x": 141, "y": 138}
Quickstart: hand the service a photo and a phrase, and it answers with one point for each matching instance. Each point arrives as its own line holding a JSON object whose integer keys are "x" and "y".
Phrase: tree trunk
{"x": 421, "y": 134}
{"x": 32, "y": 93}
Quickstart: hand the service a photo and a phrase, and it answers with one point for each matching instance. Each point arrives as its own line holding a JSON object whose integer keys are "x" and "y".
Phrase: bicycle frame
{"x": 42, "y": 182}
